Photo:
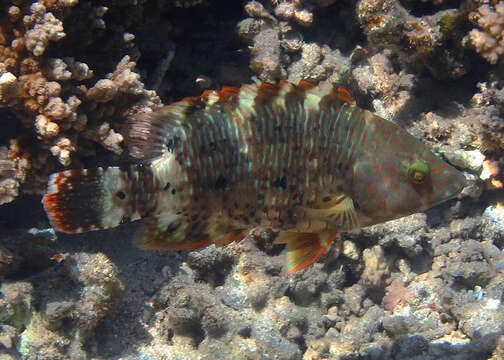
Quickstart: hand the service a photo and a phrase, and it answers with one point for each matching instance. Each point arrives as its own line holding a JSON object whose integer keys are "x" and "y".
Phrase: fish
{"x": 301, "y": 159}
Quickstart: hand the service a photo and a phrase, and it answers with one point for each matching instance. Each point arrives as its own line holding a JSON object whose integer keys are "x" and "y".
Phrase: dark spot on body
{"x": 221, "y": 183}
{"x": 174, "y": 191}
{"x": 121, "y": 195}
{"x": 173, "y": 227}
{"x": 124, "y": 219}
{"x": 356, "y": 205}
{"x": 167, "y": 186}
{"x": 280, "y": 182}
{"x": 326, "y": 199}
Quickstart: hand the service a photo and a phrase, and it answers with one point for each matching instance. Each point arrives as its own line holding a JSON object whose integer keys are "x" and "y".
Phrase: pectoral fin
{"x": 303, "y": 249}
{"x": 339, "y": 212}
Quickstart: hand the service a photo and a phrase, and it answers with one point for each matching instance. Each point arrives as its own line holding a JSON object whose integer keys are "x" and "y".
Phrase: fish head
{"x": 397, "y": 175}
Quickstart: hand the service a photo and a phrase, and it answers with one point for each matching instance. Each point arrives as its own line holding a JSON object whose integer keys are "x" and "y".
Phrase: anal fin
{"x": 175, "y": 232}
{"x": 303, "y": 249}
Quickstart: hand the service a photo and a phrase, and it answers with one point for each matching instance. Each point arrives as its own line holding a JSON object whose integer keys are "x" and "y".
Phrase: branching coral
{"x": 489, "y": 42}
{"x": 42, "y": 27}
{"x": 64, "y": 105}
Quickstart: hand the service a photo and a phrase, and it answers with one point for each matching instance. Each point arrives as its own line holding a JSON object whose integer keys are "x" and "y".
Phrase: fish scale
{"x": 302, "y": 159}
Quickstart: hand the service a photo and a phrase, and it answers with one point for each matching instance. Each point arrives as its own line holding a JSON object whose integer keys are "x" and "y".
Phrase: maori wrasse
{"x": 301, "y": 159}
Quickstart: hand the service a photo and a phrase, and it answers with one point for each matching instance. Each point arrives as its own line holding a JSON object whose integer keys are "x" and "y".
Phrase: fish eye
{"x": 418, "y": 172}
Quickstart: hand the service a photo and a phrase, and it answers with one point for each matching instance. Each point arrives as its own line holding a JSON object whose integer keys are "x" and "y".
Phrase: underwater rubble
{"x": 427, "y": 286}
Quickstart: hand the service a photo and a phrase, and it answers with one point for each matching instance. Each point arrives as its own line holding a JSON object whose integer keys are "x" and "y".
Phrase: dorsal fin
{"x": 149, "y": 135}
{"x": 306, "y": 85}
{"x": 345, "y": 95}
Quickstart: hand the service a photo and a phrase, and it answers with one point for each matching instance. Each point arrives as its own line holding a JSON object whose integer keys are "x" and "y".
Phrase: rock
{"x": 270, "y": 341}
{"x": 471, "y": 160}
{"x": 492, "y": 224}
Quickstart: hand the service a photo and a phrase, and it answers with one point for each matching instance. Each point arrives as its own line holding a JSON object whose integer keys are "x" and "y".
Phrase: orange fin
{"x": 303, "y": 249}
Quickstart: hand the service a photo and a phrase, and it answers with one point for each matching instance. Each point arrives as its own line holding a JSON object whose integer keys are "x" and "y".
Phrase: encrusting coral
{"x": 63, "y": 102}
{"x": 9, "y": 185}
{"x": 299, "y": 10}
{"x": 489, "y": 41}
{"x": 390, "y": 24}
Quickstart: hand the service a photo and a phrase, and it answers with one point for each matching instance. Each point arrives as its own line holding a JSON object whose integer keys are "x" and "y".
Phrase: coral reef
{"x": 75, "y": 296}
{"x": 389, "y": 24}
{"x": 275, "y": 46}
{"x": 61, "y": 99}
{"x": 427, "y": 286}
{"x": 489, "y": 41}
{"x": 391, "y": 91}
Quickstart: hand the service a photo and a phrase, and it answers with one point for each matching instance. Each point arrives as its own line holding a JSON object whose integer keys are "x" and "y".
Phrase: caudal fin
{"x": 95, "y": 199}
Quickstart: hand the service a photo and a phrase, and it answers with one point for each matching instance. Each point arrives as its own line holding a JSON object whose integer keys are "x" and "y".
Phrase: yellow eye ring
{"x": 418, "y": 172}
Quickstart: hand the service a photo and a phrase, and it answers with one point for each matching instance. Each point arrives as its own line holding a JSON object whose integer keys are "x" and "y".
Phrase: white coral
{"x": 489, "y": 42}
{"x": 8, "y": 88}
{"x": 103, "y": 91}
{"x": 68, "y": 68}
{"x": 44, "y": 27}
{"x": 125, "y": 78}
{"x": 110, "y": 139}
